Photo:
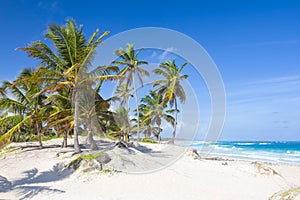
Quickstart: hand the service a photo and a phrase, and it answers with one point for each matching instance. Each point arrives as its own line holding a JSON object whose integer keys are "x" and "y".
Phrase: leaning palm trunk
{"x": 39, "y": 134}
{"x": 90, "y": 139}
{"x": 128, "y": 129}
{"x": 175, "y": 123}
{"x": 65, "y": 141}
{"x": 36, "y": 125}
{"x": 137, "y": 109}
{"x": 158, "y": 136}
{"x": 76, "y": 121}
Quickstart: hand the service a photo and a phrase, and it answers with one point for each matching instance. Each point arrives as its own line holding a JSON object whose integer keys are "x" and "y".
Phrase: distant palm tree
{"x": 23, "y": 107}
{"x": 132, "y": 67}
{"x": 153, "y": 112}
{"x": 61, "y": 114}
{"x": 92, "y": 105}
{"x": 73, "y": 55}
{"x": 123, "y": 94}
{"x": 149, "y": 129}
{"x": 170, "y": 87}
{"x": 123, "y": 123}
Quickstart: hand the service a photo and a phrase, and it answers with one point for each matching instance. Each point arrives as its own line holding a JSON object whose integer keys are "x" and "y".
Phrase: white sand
{"x": 36, "y": 174}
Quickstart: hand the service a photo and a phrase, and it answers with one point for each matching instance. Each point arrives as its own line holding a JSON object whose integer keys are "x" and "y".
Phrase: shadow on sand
{"x": 24, "y": 188}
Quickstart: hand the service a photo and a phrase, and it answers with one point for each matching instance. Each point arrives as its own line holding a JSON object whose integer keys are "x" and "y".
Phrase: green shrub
{"x": 89, "y": 157}
{"x": 148, "y": 140}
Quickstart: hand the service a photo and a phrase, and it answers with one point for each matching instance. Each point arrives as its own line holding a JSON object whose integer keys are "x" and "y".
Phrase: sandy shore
{"x": 32, "y": 173}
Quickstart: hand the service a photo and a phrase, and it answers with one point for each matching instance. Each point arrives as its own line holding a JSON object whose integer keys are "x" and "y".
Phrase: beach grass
{"x": 290, "y": 194}
{"x": 262, "y": 169}
{"x": 75, "y": 163}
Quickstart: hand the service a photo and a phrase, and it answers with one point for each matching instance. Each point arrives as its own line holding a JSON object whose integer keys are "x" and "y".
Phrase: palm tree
{"x": 73, "y": 55}
{"x": 23, "y": 107}
{"x": 132, "y": 67}
{"x": 170, "y": 87}
{"x": 61, "y": 114}
{"x": 122, "y": 121}
{"x": 149, "y": 129}
{"x": 153, "y": 112}
{"x": 123, "y": 94}
{"x": 92, "y": 106}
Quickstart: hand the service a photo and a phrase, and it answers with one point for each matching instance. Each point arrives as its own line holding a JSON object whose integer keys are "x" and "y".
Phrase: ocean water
{"x": 283, "y": 152}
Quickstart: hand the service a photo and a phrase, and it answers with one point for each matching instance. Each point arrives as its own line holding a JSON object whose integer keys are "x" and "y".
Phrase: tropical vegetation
{"x": 62, "y": 95}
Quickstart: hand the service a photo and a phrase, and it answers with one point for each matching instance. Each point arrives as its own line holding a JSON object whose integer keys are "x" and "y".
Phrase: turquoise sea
{"x": 283, "y": 152}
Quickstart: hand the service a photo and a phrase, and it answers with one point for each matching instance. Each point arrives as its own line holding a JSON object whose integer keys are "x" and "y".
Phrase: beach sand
{"x": 27, "y": 172}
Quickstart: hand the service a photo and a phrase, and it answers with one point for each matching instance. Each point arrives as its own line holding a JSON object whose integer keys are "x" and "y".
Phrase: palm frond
{"x": 103, "y": 70}
{"x": 2, "y": 92}
{"x": 13, "y": 105}
{"x": 42, "y": 52}
{"x": 5, "y": 138}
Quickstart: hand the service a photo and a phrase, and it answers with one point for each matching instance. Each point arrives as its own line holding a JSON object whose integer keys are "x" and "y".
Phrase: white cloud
{"x": 278, "y": 87}
{"x": 51, "y": 6}
{"x": 167, "y": 51}
{"x": 269, "y": 43}
{"x": 47, "y": 5}
{"x": 281, "y": 79}
{"x": 153, "y": 55}
{"x": 253, "y": 107}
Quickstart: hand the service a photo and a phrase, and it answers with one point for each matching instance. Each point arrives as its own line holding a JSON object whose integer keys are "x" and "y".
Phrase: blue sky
{"x": 255, "y": 44}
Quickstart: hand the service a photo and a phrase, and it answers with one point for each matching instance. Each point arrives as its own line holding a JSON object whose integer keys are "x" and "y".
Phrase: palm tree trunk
{"x": 158, "y": 137}
{"x": 39, "y": 134}
{"x": 137, "y": 109}
{"x": 126, "y": 137}
{"x": 128, "y": 129}
{"x": 175, "y": 123}
{"x": 76, "y": 121}
{"x": 37, "y": 127}
{"x": 65, "y": 141}
{"x": 90, "y": 139}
